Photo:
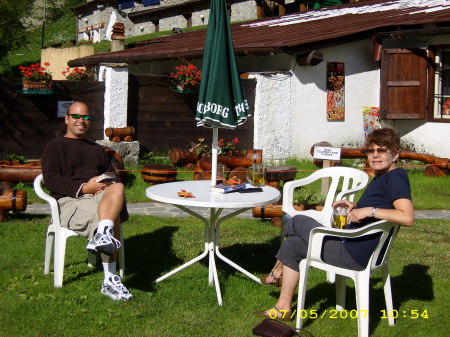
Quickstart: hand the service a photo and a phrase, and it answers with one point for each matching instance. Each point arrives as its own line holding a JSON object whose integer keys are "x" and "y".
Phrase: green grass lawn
{"x": 184, "y": 304}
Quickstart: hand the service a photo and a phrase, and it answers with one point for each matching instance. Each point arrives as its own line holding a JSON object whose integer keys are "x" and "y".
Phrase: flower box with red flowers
{"x": 187, "y": 78}
{"x": 35, "y": 77}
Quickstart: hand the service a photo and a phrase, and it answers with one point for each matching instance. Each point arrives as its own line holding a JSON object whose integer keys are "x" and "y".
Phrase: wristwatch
{"x": 374, "y": 211}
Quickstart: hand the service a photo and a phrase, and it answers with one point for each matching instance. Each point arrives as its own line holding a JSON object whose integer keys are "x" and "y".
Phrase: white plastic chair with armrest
{"x": 57, "y": 235}
{"x": 378, "y": 261}
{"x": 352, "y": 181}
{"x": 349, "y": 180}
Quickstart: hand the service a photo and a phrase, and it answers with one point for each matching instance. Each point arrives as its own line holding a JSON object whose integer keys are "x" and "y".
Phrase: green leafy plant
{"x": 200, "y": 148}
{"x": 227, "y": 147}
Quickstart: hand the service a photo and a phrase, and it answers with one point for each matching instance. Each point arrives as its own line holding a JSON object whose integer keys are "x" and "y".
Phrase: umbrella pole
{"x": 214, "y": 152}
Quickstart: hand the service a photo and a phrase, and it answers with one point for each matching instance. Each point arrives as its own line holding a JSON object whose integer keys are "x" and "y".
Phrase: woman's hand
{"x": 93, "y": 187}
{"x": 358, "y": 214}
{"x": 345, "y": 204}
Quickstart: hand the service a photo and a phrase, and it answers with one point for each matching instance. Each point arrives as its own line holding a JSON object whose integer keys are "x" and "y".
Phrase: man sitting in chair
{"x": 92, "y": 209}
{"x": 387, "y": 197}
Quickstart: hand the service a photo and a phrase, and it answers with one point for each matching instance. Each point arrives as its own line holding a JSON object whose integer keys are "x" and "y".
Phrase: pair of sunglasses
{"x": 78, "y": 116}
{"x": 380, "y": 151}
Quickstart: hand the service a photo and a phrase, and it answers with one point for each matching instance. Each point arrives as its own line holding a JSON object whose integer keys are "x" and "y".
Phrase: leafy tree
{"x": 12, "y": 28}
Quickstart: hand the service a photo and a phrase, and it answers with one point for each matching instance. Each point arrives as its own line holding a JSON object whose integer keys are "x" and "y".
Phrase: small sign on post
{"x": 327, "y": 154}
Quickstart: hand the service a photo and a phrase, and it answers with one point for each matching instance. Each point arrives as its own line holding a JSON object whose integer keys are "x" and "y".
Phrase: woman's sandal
{"x": 285, "y": 315}
{"x": 278, "y": 281}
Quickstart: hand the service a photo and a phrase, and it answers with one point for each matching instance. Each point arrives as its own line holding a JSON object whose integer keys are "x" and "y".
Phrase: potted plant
{"x": 78, "y": 74}
{"x": 228, "y": 148}
{"x": 36, "y": 77}
{"x": 187, "y": 78}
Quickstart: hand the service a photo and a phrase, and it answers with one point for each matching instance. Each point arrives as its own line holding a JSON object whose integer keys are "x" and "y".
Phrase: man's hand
{"x": 93, "y": 187}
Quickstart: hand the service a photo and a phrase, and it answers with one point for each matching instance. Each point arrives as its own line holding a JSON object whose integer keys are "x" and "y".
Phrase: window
{"x": 151, "y": 2}
{"x": 441, "y": 92}
{"x": 125, "y": 4}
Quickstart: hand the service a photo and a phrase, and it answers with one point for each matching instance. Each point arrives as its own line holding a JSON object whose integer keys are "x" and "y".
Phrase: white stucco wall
{"x": 290, "y": 111}
{"x": 292, "y": 118}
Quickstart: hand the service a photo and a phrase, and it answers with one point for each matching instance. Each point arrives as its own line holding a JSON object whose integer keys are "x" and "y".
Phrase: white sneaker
{"x": 103, "y": 243}
{"x": 114, "y": 289}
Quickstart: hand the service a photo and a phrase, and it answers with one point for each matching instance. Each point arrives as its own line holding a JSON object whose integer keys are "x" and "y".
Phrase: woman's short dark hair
{"x": 384, "y": 137}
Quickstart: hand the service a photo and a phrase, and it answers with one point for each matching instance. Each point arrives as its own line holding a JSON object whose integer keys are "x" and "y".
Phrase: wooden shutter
{"x": 404, "y": 84}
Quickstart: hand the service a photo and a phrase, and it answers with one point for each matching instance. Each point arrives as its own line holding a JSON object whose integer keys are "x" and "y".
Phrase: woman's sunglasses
{"x": 78, "y": 116}
{"x": 380, "y": 151}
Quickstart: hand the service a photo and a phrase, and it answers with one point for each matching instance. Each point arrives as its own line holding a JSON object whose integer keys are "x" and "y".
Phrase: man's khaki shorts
{"x": 80, "y": 214}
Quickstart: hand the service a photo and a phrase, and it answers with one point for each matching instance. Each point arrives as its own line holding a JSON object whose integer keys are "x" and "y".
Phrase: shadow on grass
{"x": 404, "y": 288}
{"x": 149, "y": 256}
{"x": 19, "y": 216}
{"x": 256, "y": 258}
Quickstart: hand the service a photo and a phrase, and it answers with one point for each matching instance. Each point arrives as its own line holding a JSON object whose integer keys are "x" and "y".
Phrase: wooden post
{"x": 325, "y": 181}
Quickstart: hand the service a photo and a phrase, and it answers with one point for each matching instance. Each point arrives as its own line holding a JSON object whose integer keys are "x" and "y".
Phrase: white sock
{"x": 109, "y": 269}
{"x": 106, "y": 226}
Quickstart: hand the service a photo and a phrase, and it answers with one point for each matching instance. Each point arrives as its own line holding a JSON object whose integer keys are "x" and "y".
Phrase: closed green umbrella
{"x": 221, "y": 101}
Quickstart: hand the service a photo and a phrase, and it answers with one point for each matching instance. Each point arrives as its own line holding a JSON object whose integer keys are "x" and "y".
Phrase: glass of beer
{"x": 340, "y": 217}
{"x": 255, "y": 175}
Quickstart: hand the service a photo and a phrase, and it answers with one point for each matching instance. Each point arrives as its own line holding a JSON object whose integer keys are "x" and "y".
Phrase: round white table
{"x": 216, "y": 202}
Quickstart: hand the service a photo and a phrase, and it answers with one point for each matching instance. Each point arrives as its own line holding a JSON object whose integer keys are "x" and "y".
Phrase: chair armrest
{"x": 288, "y": 191}
{"x": 318, "y": 234}
{"x": 342, "y": 195}
{"x": 54, "y": 207}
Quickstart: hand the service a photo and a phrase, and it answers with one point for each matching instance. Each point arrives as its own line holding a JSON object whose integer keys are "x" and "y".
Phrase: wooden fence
{"x": 162, "y": 118}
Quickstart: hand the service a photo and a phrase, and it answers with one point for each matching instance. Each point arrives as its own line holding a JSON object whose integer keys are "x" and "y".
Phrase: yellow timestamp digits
{"x": 332, "y": 314}
{"x": 413, "y": 314}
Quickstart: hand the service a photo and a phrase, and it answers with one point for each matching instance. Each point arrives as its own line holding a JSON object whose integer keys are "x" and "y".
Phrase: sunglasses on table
{"x": 78, "y": 116}
{"x": 380, "y": 151}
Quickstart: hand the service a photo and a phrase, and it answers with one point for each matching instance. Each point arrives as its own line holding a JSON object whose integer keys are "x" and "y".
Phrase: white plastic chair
{"x": 58, "y": 235}
{"x": 352, "y": 181}
{"x": 349, "y": 180}
{"x": 378, "y": 261}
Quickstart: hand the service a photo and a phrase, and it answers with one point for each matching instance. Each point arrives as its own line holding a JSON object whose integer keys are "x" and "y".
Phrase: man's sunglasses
{"x": 78, "y": 116}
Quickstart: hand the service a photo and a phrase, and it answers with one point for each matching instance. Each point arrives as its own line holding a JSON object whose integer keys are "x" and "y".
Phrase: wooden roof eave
{"x": 145, "y": 57}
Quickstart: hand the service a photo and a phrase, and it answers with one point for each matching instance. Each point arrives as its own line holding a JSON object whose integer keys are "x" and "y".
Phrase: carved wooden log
{"x": 434, "y": 171}
{"x": 239, "y": 172}
{"x": 13, "y": 200}
{"x": 443, "y": 163}
{"x": 21, "y": 172}
{"x": 278, "y": 173}
{"x": 255, "y": 156}
{"x": 230, "y": 161}
{"x": 267, "y": 211}
{"x": 120, "y": 132}
{"x": 200, "y": 174}
{"x": 117, "y": 162}
{"x": 182, "y": 156}
{"x": 189, "y": 167}
{"x": 154, "y": 173}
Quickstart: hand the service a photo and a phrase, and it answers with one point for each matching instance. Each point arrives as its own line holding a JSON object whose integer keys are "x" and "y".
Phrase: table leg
{"x": 212, "y": 236}
{"x": 219, "y": 254}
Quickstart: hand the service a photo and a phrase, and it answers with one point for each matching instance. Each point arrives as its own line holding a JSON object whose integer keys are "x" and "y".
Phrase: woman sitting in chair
{"x": 387, "y": 197}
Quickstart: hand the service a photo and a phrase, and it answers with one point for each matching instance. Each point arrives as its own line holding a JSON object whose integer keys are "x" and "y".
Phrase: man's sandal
{"x": 282, "y": 315}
